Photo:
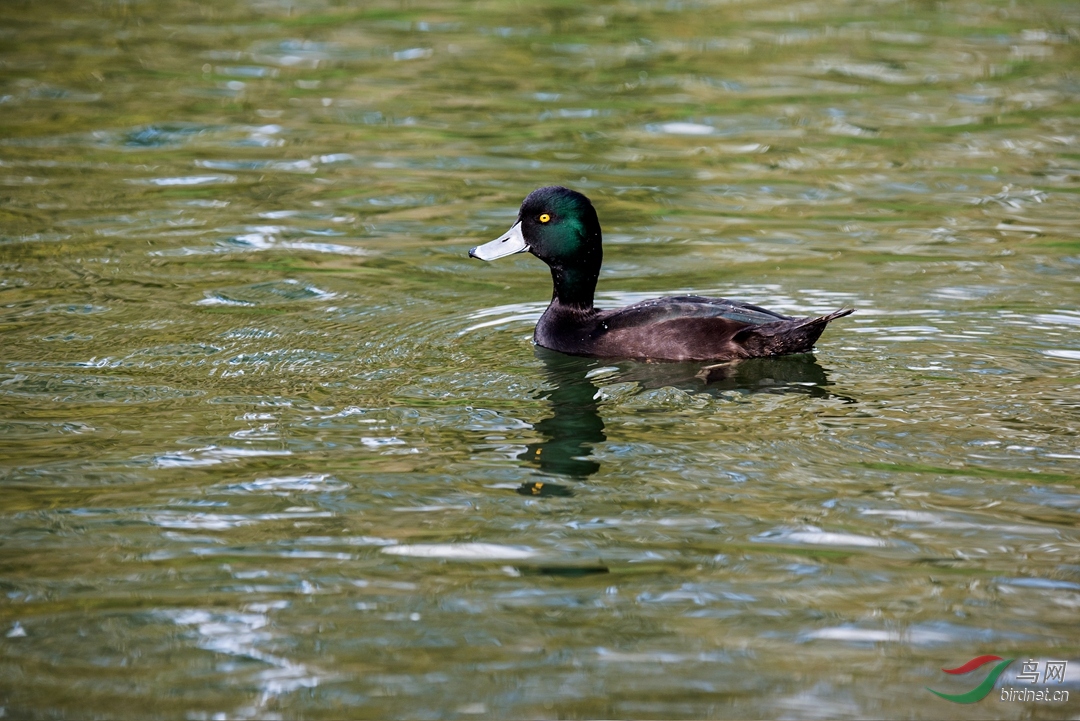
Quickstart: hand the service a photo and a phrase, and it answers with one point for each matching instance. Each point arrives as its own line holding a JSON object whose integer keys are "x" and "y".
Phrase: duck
{"x": 560, "y": 227}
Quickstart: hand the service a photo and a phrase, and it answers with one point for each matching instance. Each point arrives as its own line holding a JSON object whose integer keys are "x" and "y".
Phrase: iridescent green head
{"x": 558, "y": 226}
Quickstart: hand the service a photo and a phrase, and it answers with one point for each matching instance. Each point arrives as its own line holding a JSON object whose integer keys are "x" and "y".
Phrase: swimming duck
{"x": 559, "y": 226}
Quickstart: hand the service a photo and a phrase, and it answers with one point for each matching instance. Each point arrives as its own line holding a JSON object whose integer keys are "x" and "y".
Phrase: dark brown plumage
{"x": 560, "y": 227}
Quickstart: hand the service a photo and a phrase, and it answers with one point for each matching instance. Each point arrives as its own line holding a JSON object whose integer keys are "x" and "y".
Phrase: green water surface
{"x": 273, "y": 446}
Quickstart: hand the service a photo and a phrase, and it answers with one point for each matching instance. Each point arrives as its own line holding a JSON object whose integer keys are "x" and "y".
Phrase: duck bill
{"x": 510, "y": 242}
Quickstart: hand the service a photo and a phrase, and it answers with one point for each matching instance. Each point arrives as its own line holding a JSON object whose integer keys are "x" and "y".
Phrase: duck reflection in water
{"x": 573, "y": 429}
{"x": 575, "y": 426}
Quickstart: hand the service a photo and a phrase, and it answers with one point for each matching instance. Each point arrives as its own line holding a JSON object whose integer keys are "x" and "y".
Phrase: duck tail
{"x": 797, "y": 335}
{"x": 824, "y": 320}
{"x": 807, "y": 331}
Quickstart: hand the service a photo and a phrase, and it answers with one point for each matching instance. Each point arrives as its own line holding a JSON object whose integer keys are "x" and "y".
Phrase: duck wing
{"x": 659, "y": 310}
{"x": 700, "y": 328}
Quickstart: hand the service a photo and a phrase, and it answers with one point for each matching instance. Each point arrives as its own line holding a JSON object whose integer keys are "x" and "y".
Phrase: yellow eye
{"x": 544, "y": 217}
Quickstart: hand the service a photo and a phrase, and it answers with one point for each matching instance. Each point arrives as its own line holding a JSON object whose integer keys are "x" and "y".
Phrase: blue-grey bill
{"x": 510, "y": 242}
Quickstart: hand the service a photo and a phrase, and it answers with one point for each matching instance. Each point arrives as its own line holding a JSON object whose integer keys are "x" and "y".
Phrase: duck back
{"x": 683, "y": 328}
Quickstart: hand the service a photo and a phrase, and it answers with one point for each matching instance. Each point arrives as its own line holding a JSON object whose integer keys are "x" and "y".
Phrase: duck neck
{"x": 574, "y": 287}
{"x": 575, "y": 280}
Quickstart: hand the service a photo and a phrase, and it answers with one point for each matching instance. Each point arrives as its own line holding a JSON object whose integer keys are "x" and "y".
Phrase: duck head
{"x": 559, "y": 226}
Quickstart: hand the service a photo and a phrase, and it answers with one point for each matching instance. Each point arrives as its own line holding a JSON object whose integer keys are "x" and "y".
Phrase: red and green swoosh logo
{"x": 979, "y": 692}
